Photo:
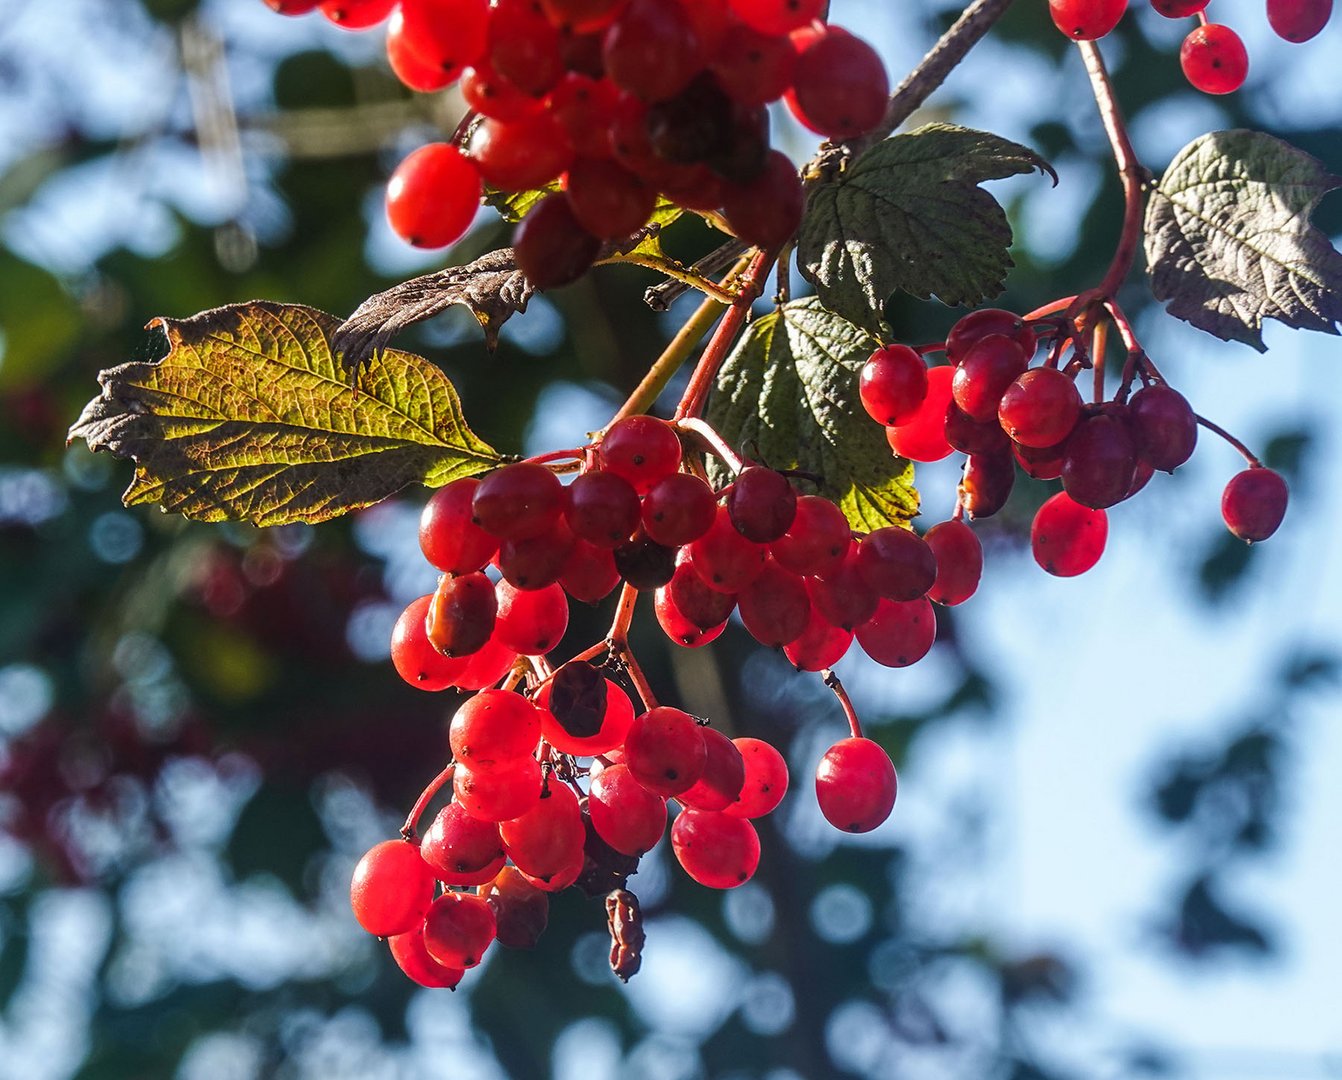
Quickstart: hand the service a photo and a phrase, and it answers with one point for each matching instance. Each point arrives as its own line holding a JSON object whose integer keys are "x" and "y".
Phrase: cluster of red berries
{"x": 1212, "y": 56}
{"x": 620, "y": 102}
{"x": 991, "y": 405}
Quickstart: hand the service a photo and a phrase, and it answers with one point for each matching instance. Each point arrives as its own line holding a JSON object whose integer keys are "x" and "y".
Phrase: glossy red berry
{"x": 1298, "y": 20}
{"x": 1214, "y": 59}
{"x": 665, "y": 750}
{"x": 1100, "y": 460}
{"x": 607, "y": 199}
{"x": 458, "y": 928}
{"x": 972, "y": 328}
{"x": 989, "y": 366}
{"x": 839, "y": 86}
{"x": 896, "y": 563}
{"x": 625, "y": 814}
{"x": 501, "y": 792}
{"x": 415, "y": 659}
{"x": 1254, "y": 503}
{"x": 405, "y": 63}
{"x": 641, "y": 449}
{"x": 461, "y": 614}
{"x": 1086, "y": 20}
{"x": 817, "y": 539}
{"x": 776, "y": 16}
{"x": 775, "y": 606}
{"x": 821, "y": 644}
{"x": 959, "y": 562}
{"x": 590, "y": 574}
{"x": 652, "y": 51}
{"x": 716, "y": 849}
{"x": 1040, "y": 408}
{"x": 855, "y": 784}
{"x": 766, "y": 779}
{"x": 893, "y": 384}
{"x": 842, "y": 597}
{"x": 518, "y": 502}
{"x": 761, "y": 504}
{"x": 391, "y": 889}
{"x": 679, "y": 509}
{"x": 923, "y": 438}
{"x": 1164, "y": 427}
{"x": 723, "y": 558}
{"x": 1179, "y": 9}
{"x": 1067, "y": 538}
{"x": 719, "y": 785}
{"x": 356, "y": 14}
{"x": 447, "y": 536}
{"x": 447, "y": 34}
{"x": 546, "y": 840}
{"x": 752, "y": 67}
{"x": 900, "y": 633}
{"x": 531, "y": 622}
{"x": 460, "y": 849}
{"x": 494, "y": 728}
{"x": 414, "y": 960}
{"x": 704, "y": 606}
{"x": 433, "y": 195}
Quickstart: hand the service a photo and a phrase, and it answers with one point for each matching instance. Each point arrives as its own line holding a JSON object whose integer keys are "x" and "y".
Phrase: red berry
{"x": 590, "y": 573}
{"x": 447, "y": 536}
{"x": 1298, "y": 20}
{"x": 975, "y": 326}
{"x": 893, "y": 384}
{"x": 765, "y": 781}
{"x": 642, "y": 450}
{"x": 855, "y": 784}
{"x": 986, "y": 483}
{"x": 1179, "y": 9}
{"x": 391, "y": 889}
{"x": 485, "y": 667}
{"x": 518, "y": 155}
{"x": 923, "y": 438}
{"x": 413, "y": 958}
{"x": 665, "y": 750}
{"x": 1086, "y": 20}
{"x": 766, "y": 211}
{"x": 820, "y": 646}
{"x": 524, "y": 46}
{"x": 754, "y": 68}
{"x": 715, "y": 849}
{"x": 900, "y": 633}
{"x": 518, "y": 501}
{"x": 761, "y": 504}
{"x": 608, "y": 201}
{"x": 989, "y": 366}
{"x": 447, "y": 34}
{"x": 676, "y": 625}
{"x": 971, "y": 436}
{"x": 1214, "y": 59}
{"x": 505, "y": 791}
{"x": 896, "y": 563}
{"x": 458, "y": 928}
{"x": 460, "y": 849}
{"x": 489, "y": 94}
{"x": 652, "y": 51}
{"x": 723, "y": 777}
{"x": 603, "y": 508}
{"x": 1253, "y": 503}
{"x": 1067, "y": 538}
{"x": 1100, "y": 460}
{"x": 551, "y": 248}
{"x": 356, "y": 14}
{"x": 1040, "y": 408}
{"x": 842, "y": 597}
{"x": 817, "y": 539}
{"x": 839, "y": 86}
{"x": 1163, "y": 425}
{"x": 406, "y": 64}
{"x": 701, "y": 604}
{"x": 291, "y": 7}
{"x": 1040, "y": 463}
{"x": 625, "y": 814}
{"x": 582, "y": 712}
{"x": 775, "y": 607}
{"x": 531, "y": 621}
{"x": 585, "y": 107}
{"x": 534, "y": 562}
{"x": 545, "y": 841}
{"x": 493, "y": 729}
{"x": 415, "y": 659}
{"x": 582, "y": 16}
{"x": 433, "y": 195}
{"x": 959, "y": 562}
{"x": 777, "y": 16}
{"x": 723, "y": 558}
{"x": 679, "y": 509}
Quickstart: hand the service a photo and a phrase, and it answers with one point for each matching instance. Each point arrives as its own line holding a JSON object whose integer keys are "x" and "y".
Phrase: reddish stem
{"x": 1130, "y": 171}
{"x": 832, "y": 681}
{"x": 576, "y": 454}
{"x": 1244, "y": 450}
{"x": 705, "y": 431}
{"x": 1049, "y": 309}
{"x": 425, "y": 797}
{"x": 752, "y": 283}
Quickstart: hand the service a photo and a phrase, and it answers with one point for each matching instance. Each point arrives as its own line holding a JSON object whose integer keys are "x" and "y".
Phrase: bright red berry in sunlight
{"x": 1178, "y": 9}
{"x": 641, "y": 449}
{"x": 989, "y": 366}
{"x": 893, "y": 384}
{"x": 356, "y": 14}
{"x": 518, "y": 501}
{"x": 415, "y": 659}
{"x": 665, "y": 750}
{"x": 458, "y": 928}
{"x": 766, "y": 779}
{"x": 776, "y": 16}
{"x": 817, "y": 539}
{"x": 493, "y": 728}
{"x": 625, "y": 814}
{"x": 1298, "y": 20}
{"x": 1214, "y": 59}
{"x": 545, "y": 841}
{"x": 716, "y": 849}
{"x": 923, "y": 437}
{"x": 413, "y": 958}
{"x": 959, "y": 562}
{"x": 723, "y": 777}
{"x": 501, "y": 792}
{"x": 839, "y": 86}
{"x": 855, "y": 784}
{"x": 1067, "y": 538}
{"x": 1086, "y": 20}
{"x": 460, "y": 849}
{"x": 1253, "y": 503}
{"x": 433, "y": 195}
{"x": 392, "y": 888}
{"x": 1040, "y": 407}
{"x": 900, "y": 633}
{"x": 1164, "y": 427}
{"x": 447, "y": 34}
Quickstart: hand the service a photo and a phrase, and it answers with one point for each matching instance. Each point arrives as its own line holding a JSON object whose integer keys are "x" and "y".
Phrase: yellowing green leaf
{"x": 251, "y": 416}
{"x": 788, "y": 395}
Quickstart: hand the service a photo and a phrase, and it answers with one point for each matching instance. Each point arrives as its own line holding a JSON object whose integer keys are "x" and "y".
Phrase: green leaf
{"x": 250, "y": 416}
{"x": 515, "y": 205}
{"x": 1229, "y": 241}
{"x": 788, "y": 394}
{"x": 909, "y": 214}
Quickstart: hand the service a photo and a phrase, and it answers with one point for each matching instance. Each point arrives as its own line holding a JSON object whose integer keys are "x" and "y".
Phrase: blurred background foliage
{"x": 199, "y": 731}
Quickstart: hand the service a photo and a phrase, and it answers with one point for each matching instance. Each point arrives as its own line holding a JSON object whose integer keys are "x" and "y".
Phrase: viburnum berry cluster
{"x": 990, "y": 404}
{"x": 639, "y": 513}
{"x": 1213, "y": 56}
{"x": 620, "y": 103}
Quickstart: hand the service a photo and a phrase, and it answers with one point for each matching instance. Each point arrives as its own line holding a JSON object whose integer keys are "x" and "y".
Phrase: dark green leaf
{"x": 1229, "y": 240}
{"x": 788, "y": 393}
{"x": 250, "y": 416}
{"x": 909, "y": 214}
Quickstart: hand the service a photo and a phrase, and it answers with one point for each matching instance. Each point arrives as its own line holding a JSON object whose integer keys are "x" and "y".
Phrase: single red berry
{"x": 674, "y": 622}
{"x": 766, "y": 211}
{"x": 608, "y": 200}
{"x": 1040, "y": 408}
{"x": 414, "y": 960}
{"x": 986, "y": 483}
{"x": 970, "y": 329}
{"x": 821, "y": 645}
{"x": 494, "y": 728}
{"x": 531, "y": 622}
{"x": 723, "y": 558}
{"x": 486, "y": 666}
{"x": 715, "y": 849}
{"x": 775, "y": 607}
{"x": 679, "y": 509}
{"x": 720, "y": 784}
{"x": 839, "y": 86}
{"x": 603, "y": 508}
{"x": 900, "y": 633}
{"x": 959, "y": 562}
{"x": 893, "y": 384}
{"x": 766, "y": 779}
{"x": 590, "y": 572}
{"x": 415, "y": 658}
{"x": 535, "y": 562}
{"x": 545, "y": 841}
{"x": 447, "y": 536}
{"x": 458, "y": 928}
{"x": 652, "y": 51}
{"x": 761, "y": 504}
{"x": 923, "y": 438}
{"x": 704, "y": 606}
{"x": 1040, "y": 463}
{"x": 551, "y": 247}
{"x": 641, "y": 449}
{"x": 518, "y": 501}
{"x": 505, "y": 791}
{"x": 406, "y": 64}
{"x": 970, "y": 436}
{"x": 585, "y": 107}
{"x": 461, "y": 614}
{"x": 582, "y": 16}
{"x": 1298, "y": 20}
{"x": 856, "y": 785}
{"x": 1214, "y": 59}
{"x": 433, "y": 195}
{"x": 1253, "y": 503}
{"x": 391, "y": 889}
{"x": 1178, "y": 9}
{"x": 754, "y": 68}
{"x": 491, "y": 95}
{"x": 1086, "y": 20}
{"x": 1067, "y": 538}
{"x": 896, "y": 563}
{"x": 447, "y": 34}
{"x": 1100, "y": 460}
{"x": 665, "y": 750}
{"x": 460, "y": 849}
{"x": 842, "y": 597}
{"x": 1164, "y": 427}
{"x": 817, "y": 539}
{"x": 625, "y": 814}
{"x": 523, "y": 46}
{"x": 356, "y": 14}
{"x": 522, "y": 154}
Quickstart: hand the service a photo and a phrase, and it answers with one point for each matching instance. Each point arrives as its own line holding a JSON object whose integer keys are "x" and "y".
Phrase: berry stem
{"x": 1218, "y": 430}
{"x": 930, "y": 347}
{"x": 425, "y": 797}
{"x": 832, "y": 681}
{"x": 752, "y": 283}
{"x": 617, "y": 641}
{"x": 1049, "y": 309}
{"x": 661, "y": 296}
{"x": 706, "y": 434}
{"x": 673, "y": 356}
{"x": 673, "y": 269}
{"x": 1099, "y": 339}
{"x": 1130, "y": 171}
{"x": 575, "y": 454}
